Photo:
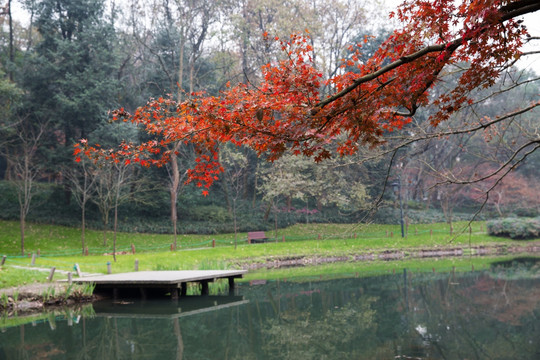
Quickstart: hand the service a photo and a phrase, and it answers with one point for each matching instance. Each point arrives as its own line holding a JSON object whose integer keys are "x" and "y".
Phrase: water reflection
{"x": 477, "y": 315}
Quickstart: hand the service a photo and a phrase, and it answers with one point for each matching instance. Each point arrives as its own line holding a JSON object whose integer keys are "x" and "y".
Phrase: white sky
{"x": 532, "y": 21}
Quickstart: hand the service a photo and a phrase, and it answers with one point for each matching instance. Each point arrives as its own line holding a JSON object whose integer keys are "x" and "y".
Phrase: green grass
{"x": 51, "y": 240}
{"x": 376, "y": 268}
{"x": 60, "y": 247}
{"x": 10, "y": 277}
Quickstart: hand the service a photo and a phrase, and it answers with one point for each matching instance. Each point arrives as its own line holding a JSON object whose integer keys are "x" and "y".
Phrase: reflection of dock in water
{"x": 156, "y": 309}
{"x": 158, "y": 283}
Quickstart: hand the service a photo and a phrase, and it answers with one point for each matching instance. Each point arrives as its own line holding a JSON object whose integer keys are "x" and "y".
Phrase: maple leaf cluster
{"x": 287, "y": 112}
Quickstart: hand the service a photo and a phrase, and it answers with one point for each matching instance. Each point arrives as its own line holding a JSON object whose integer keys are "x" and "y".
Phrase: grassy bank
{"x": 60, "y": 247}
{"x": 51, "y": 240}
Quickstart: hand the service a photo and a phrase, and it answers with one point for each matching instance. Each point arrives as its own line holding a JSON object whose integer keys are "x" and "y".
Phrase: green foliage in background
{"x": 515, "y": 228}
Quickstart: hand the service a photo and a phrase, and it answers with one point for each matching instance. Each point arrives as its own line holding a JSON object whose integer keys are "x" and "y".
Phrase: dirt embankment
{"x": 37, "y": 297}
{"x": 391, "y": 254}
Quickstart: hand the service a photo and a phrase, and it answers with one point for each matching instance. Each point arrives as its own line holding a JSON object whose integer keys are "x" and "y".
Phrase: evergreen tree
{"x": 71, "y": 75}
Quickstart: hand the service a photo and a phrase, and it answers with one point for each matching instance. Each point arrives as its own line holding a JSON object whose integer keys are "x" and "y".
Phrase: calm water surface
{"x": 478, "y": 315}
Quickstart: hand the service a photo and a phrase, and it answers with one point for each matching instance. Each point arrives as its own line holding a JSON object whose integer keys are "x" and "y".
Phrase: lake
{"x": 492, "y": 314}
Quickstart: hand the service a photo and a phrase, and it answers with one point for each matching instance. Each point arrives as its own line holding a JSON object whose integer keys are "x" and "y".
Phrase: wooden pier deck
{"x": 158, "y": 283}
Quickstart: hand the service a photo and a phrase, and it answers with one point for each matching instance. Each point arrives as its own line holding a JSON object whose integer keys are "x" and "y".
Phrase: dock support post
{"x": 116, "y": 293}
{"x": 143, "y": 293}
{"x": 231, "y": 285}
{"x": 204, "y": 287}
{"x": 183, "y": 290}
{"x": 174, "y": 293}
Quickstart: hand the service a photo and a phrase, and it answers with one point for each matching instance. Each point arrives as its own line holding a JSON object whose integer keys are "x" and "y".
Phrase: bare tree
{"x": 21, "y": 153}
{"x": 82, "y": 182}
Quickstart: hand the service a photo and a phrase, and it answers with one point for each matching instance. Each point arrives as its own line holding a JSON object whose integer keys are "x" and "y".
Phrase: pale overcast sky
{"x": 532, "y": 21}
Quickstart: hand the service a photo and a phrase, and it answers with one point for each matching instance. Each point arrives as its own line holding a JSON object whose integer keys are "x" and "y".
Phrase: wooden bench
{"x": 255, "y": 237}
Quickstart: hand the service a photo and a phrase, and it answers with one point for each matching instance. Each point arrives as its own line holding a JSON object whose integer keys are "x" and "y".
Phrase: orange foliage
{"x": 286, "y": 111}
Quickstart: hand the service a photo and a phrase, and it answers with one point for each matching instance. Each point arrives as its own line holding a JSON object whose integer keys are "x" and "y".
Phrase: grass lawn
{"x": 61, "y": 247}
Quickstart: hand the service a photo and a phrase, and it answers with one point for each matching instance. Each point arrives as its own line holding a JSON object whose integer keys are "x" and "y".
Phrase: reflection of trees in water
{"x": 301, "y": 334}
{"x": 428, "y": 316}
{"x": 473, "y": 317}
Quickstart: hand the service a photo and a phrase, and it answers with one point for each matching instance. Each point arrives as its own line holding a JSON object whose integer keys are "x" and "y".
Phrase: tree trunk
{"x": 11, "y": 51}
{"x": 22, "y": 221}
{"x": 115, "y": 227}
{"x": 83, "y": 225}
{"x": 234, "y": 224}
{"x": 175, "y": 182}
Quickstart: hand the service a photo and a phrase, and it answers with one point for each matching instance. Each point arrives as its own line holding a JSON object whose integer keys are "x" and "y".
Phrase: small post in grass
{"x": 51, "y": 274}
{"x": 283, "y": 238}
{"x": 109, "y": 269}
{"x": 78, "y": 269}
{"x": 70, "y": 278}
{"x": 33, "y": 259}
{"x": 3, "y": 260}
{"x": 213, "y": 243}
{"x": 133, "y": 249}
{"x": 136, "y": 264}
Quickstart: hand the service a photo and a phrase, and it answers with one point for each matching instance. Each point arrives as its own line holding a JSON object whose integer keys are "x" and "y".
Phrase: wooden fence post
{"x": 283, "y": 238}
{"x": 109, "y": 269}
{"x": 213, "y": 243}
{"x": 3, "y": 260}
{"x": 33, "y": 259}
{"x": 133, "y": 249}
{"x": 51, "y": 274}
{"x": 136, "y": 264}
{"x": 70, "y": 278}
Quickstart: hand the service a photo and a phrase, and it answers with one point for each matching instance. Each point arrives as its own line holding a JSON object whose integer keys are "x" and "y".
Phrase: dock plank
{"x": 160, "y": 277}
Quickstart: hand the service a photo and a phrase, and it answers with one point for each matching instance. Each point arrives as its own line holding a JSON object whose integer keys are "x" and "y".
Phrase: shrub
{"x": 213, "y": 213}
{"x": 515, "y": 228}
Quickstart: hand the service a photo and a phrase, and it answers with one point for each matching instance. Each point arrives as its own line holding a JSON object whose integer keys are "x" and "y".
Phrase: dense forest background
{"x": 68, "y": 63}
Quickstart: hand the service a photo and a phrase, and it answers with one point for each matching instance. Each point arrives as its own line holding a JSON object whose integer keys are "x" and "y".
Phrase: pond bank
{"x": 41, "y": 296}
{"x": 392, "y": 254}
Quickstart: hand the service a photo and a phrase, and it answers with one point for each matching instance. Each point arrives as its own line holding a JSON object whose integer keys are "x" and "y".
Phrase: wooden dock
{"x": 158, "y": 283}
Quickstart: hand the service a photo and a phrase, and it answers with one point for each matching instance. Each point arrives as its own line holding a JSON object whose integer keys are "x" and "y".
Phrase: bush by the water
{"x": 515, "y": 228}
